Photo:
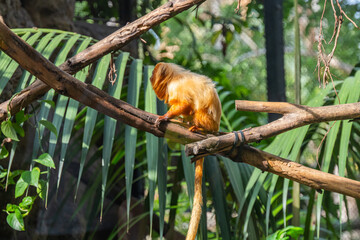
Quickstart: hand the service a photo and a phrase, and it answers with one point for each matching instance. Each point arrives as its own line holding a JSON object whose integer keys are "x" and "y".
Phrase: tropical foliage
{"x": 246, "y": 203}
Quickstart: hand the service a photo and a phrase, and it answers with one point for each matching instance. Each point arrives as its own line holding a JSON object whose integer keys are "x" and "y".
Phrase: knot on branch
{"x": 214, "y": 145}
{"x": 209, "y": 145}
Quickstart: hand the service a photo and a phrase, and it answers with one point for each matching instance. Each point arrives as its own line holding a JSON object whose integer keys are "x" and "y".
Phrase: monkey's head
{"x": 163, "y": 73}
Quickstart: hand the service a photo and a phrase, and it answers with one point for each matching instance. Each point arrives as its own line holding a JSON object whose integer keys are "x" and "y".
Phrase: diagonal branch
{"x": 93, "y": 97}
{"x": 113, "y": 42}
{"x": 299, "y": 173}
{"x": 294, "y": 116}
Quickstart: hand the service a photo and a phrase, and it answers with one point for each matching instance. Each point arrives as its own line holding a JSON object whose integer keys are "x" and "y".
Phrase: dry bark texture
{"x": 294, "y": 116}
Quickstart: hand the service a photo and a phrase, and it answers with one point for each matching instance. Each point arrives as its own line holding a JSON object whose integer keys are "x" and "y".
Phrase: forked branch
{"x": 113, "y": 42}
{"x": 294, "y": 116}
{"x": 65, "y": 84}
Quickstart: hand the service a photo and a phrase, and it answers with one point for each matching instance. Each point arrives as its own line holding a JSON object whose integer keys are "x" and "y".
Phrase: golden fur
{"x": 195, "y": 94}
{"x": 194, "y": 97}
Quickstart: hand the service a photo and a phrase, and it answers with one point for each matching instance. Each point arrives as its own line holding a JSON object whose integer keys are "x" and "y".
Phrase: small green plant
{"x": 17, "y": 212}
{"x": 290, "y": 232}
{"x": 11, "y": 129}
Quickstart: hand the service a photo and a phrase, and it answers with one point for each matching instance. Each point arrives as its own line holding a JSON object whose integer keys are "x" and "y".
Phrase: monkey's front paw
{"x": 159, "y": 120}
{"x": 196, "y": 129}
{"x": 193, "y": 129}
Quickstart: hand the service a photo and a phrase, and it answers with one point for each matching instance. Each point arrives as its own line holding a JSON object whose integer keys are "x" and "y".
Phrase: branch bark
{"x": 111, "y": 43}
{"x": 294, "y": 116}
{"x": 299, "y": 173}
{"x": 93, "y": 97}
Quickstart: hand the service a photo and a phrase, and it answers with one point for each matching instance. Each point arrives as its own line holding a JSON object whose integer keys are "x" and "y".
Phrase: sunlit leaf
{"x": 49, "y": 126}
{"x": 11, "y": 207}
{"x": 50, "y": 102}
{"x": 4, "y": 152}
{"x": 18, "y": 129}
{"x": 46, "y": 160}
{"x": 110, "y": 125}
{"x": 16, "y": 221}
{"x": 35, "y": 174}
{"x": 41, "y": 189}
{"x": 27, "y": 201}
{"x": 152, "y": 142}
{"x": 8, "y": 130}
{"x": 20, "y": 187}
{"x": 135, "y": 80}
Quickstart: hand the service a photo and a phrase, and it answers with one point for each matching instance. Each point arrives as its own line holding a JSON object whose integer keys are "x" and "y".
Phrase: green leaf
{"x": 294, "y": 232}
{"x": 41, "y": 189}
{"x": 18, "y": 129}
{"x": 11, "y": 207}
{"x": 3, "y": 174}
{"x": 43, "y": 114}
{"x": 152, "y": 142}
{"x": 189, "y": 173}
{"x": 26, "y": 202}
{"x": 16, "y": 221}
{"x": 229, "y": 37}
{"x": 215, "y": 36}
{"x": 331, "y": 138}
{"x": 286, "y": 233}
{"x": 91, "y": 115}
{"x": 11, "y": 159}
{"x": 4, "y": 152}
{"x": 216, "y": 185}
{"x": 49, "y": 126}
{"x": 50, "y": 102}
{"x": 12, "y": 175}
{"x": 46, "y": 160}
{"x": 35, "y": 174}
{"x": 8, "y": 130}
{"x": 110, "y": 125}
{"x": 130, "y": 132}
{"x": 21, "y": 117}
{"x": 26, "y": 176}
{"x": 30, "y": 178}
{"x": 57, "y": 122}
{"x": 162, "y": 173}
{"x": 31, "y": 41}
{"x": 20, "y": 187}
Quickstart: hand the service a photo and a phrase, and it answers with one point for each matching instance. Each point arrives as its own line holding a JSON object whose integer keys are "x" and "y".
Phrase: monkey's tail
{"x": 197, "y": 203}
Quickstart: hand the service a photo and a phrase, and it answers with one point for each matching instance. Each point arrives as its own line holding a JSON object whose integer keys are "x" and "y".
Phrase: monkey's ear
{"x": 159, "y": 80}
{"x": 158, "y": 73}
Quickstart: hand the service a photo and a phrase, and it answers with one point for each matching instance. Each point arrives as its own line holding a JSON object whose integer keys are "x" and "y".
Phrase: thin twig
{"x": 335, "y": 21}
{"x": 342, "y": 12}
{"x": 323, "y": 63}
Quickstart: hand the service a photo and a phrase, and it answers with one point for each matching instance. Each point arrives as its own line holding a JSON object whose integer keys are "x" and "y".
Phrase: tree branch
{"x": 294, "y": 116}
{"x": 111, "y": 43}
{"x": 93, "y": 97}
{"x": 299, "y": 173}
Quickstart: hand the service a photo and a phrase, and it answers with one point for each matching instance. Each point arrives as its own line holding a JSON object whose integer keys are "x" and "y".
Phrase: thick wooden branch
{"x": 294, "y": 116}
{"x": 111, "y": 43}
{"x": 89, "y": 95}
{"x": 299, "y": 173}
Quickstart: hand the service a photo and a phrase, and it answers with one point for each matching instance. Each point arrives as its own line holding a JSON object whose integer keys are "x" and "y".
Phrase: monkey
{"x": 193, "y": 97}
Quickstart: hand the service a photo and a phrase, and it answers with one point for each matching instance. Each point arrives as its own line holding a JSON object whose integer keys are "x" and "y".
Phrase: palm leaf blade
{"x": 130, "y": 132}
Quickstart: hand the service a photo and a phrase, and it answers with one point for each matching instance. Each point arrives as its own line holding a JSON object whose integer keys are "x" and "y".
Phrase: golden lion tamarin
{"x": 193, "y": 97}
